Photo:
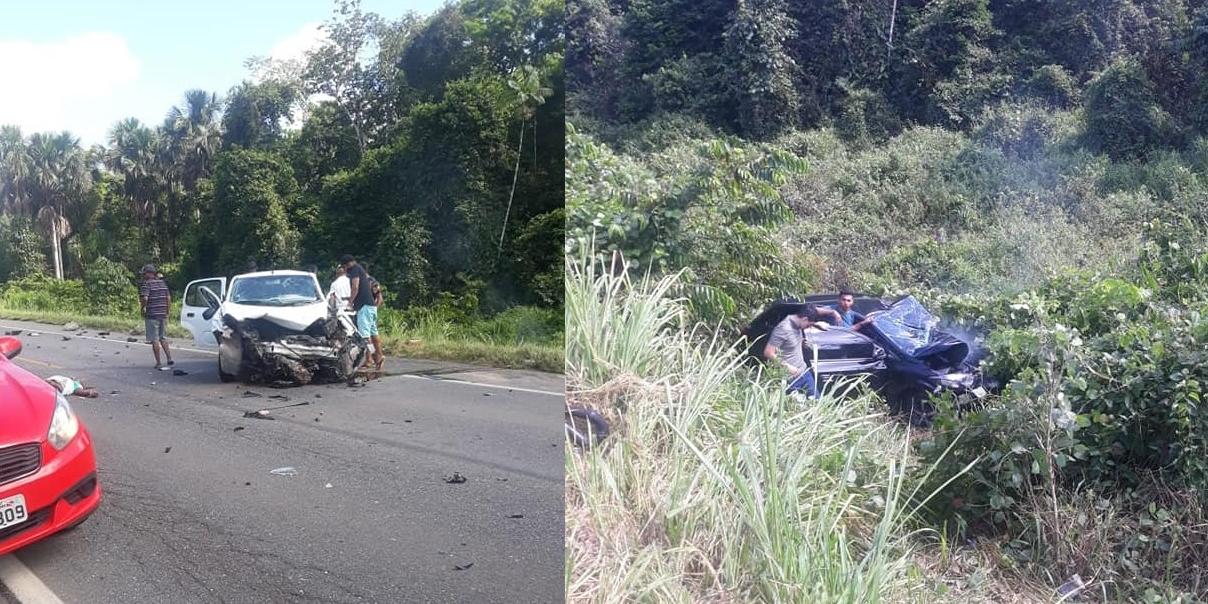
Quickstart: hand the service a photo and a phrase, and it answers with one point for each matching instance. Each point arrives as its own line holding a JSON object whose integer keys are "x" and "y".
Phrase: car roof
{"x": 274, "y": 273}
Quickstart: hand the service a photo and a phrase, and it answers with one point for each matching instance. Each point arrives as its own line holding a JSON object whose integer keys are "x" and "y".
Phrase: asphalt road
{"x": 191, "y": 512}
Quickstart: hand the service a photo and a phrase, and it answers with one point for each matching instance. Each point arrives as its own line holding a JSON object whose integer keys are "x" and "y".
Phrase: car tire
{"x": 223, "y": 376}
{"x": 585, "y": 427}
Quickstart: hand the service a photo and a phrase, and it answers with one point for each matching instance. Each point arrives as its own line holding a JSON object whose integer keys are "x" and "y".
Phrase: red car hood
{"x": 26, "y": 405}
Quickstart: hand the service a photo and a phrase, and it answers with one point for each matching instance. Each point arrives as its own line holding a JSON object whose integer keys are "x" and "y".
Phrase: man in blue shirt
{"x": 845, "y": 312}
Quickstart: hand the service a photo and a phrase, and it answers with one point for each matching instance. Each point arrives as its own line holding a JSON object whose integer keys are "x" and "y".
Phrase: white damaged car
{"x": 272, "y": 326}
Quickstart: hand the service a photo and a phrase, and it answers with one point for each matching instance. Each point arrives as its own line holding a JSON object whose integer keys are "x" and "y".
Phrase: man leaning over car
{"x": 785, "y": 344}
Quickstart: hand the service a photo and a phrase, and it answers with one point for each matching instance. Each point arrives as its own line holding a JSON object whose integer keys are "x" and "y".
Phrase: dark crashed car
{"x": 905, "y": 352}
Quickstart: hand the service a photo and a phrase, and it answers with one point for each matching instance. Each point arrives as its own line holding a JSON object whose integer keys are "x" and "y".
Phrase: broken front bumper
{"x": 297, "y": 358}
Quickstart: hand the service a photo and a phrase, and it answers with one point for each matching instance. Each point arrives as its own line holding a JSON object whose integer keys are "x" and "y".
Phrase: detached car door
{"x": 194, "y": 306}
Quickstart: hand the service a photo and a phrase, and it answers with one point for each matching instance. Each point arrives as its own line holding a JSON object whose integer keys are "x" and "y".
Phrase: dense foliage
{"x": 435, "y": 156}
{"x": 1034, "y": 171}
{"x": 761, "y": 67}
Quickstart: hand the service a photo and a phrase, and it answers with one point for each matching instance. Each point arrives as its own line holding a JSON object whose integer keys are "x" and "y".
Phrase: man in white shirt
{"x": 340, "y": 288}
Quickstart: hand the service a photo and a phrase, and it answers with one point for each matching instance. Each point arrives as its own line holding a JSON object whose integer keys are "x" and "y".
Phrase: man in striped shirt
{"x": 155, "y": 299}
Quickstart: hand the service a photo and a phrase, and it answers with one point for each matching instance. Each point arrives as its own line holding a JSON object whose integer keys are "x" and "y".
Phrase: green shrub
{"x": 21, "y": 252}
{"x": 41, "y": 293}
{"x": 1123, "y": 118}
{"x": 109, "y": 290}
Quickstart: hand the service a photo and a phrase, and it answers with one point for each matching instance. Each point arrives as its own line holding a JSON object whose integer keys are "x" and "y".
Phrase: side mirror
{"x": 10, "y": 347}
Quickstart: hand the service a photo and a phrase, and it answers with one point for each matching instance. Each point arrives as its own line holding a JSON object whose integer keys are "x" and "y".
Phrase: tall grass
{"x": 714, "y": 485}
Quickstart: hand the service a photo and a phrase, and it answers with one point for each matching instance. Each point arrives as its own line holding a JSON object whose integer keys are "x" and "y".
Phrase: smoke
{"x": 973, "y": 338}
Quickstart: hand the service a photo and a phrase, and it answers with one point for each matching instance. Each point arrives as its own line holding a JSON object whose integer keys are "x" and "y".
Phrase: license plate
{"x": 13, "y": 511}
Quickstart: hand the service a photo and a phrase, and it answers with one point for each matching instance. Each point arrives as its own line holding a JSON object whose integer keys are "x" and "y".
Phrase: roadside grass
{"x": 713, "y": 485}
{"x": 115, "y": 324}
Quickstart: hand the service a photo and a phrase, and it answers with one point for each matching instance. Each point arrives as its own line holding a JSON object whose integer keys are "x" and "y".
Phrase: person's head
{"x": 340, "y": 271}
{"x": 149, "y": 271}
{"x": 805, "y": 316}
{"x": 347, "y": 260}
{"x": 847, "y": 299}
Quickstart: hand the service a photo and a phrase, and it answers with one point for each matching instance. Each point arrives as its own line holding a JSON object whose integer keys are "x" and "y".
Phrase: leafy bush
{"x": 109, "y": 290}
{"x": 1107, "y": 383}
{"x": 1123, "y": 118}
{"x": 714, "y": 207}
{"x": 41, "y": 293}
{"x": 21, "y": 252}
{"x": 1052, "y": 85}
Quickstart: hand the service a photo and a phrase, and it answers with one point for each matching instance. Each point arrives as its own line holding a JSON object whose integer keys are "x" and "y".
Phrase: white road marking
{"x": 24, "y": 584}
{"x": 26, "y": 331}
{"x": 215, "y": 353}
{"x": 482, "y": 385}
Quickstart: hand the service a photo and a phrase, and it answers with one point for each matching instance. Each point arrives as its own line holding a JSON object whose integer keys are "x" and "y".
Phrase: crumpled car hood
{"x": 297, "y": 318}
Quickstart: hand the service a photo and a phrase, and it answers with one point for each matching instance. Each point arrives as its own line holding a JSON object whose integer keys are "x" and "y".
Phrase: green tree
{"x": 254, "y": 194}
{"x": 402, "y": 258}
{"x": 255, "y": 114}
{"x": 21, "y": 252}
{"x": 757, "y": 42}
{"x": 59, "y": 179}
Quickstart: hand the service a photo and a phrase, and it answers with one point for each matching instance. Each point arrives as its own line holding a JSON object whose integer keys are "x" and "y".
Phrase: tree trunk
{"x": 55, "y": 250}
{"x": 519, "y": 153}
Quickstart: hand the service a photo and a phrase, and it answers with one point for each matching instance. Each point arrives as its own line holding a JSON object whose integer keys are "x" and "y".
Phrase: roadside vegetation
{"x": 1033, "y": 172}
{"x": 430, "y": 147}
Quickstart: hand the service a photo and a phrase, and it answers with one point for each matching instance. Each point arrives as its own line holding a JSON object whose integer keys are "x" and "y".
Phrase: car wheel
{"x": 223, "y": 376}
{"x": 585, "y": 427}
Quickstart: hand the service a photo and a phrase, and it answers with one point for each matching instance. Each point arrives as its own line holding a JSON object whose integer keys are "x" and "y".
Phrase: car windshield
{"x": 275, "y": 290}
{"x": 907, "y": 324}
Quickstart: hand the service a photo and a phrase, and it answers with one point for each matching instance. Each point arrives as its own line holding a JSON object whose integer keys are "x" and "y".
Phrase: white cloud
{"x": 289, "y": 53}
{"x": 64, "y": 84}
{"x": 295, "y": 45}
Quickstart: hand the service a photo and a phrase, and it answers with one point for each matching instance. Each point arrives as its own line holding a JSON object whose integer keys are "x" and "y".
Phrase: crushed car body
{"x": 273, "y": 326}
{"x": 905, "y": 351}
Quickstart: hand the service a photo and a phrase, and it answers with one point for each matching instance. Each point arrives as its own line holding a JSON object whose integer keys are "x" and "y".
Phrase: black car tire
{"x": 223, "y": 376}
{"x": 585, "y": 427}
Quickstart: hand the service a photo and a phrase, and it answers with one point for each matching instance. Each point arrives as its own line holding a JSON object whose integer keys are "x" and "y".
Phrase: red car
{"x": 47, "y": 469}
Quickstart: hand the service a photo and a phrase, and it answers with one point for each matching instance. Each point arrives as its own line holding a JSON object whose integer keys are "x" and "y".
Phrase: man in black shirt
{"x": 363, "y": 301}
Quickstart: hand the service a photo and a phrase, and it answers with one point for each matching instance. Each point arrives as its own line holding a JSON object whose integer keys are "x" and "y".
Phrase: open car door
{"x": 194, "y": 307}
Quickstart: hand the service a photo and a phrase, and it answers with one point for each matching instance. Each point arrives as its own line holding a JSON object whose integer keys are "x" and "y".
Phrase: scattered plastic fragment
{"x": 456, "y": 478}
{"x": 286, "y": 471}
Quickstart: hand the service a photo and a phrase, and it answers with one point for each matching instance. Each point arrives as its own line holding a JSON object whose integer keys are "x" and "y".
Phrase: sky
{"x": 83, "y": 65}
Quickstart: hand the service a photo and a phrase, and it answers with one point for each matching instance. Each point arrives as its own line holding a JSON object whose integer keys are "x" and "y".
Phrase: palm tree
{"x": 59, "y": 177}
{"x": 134, "y": 153}
{"x": 196, "y": 135}
{"x": 14, "y": 171}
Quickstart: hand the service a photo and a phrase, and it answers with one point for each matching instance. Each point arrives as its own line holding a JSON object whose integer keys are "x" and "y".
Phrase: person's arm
{"x": 142, "y": 300}
{"x": 353, "y": 283}
{"x": 769, "y": 353}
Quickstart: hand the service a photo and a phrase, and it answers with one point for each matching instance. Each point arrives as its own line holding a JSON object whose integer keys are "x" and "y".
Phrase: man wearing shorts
{"x": 363, "y": 300}
{"x": 155, "y": 299}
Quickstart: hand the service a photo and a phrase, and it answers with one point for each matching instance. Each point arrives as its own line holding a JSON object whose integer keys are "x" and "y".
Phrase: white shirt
{"x": 341, "y": 288}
